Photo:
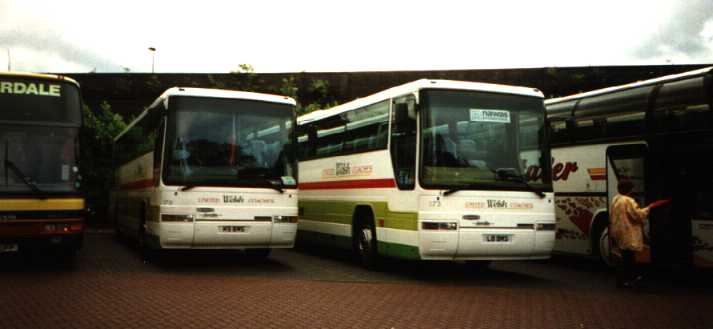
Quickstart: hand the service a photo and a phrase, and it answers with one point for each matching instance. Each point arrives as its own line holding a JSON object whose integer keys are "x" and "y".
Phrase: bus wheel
{"x": 365, "y": 244}
{"x": 600, "y": 243}
{"x": 604, "y": 247}
{"x": 147, "y": 254}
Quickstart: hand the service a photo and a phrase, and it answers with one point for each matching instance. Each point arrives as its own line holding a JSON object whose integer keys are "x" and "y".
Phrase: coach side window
{"x": 138, "y": 140}
{"x": 366, "y": 128}
{"x": 558, "y": 131}
{"x": 305, "y": 146}
{"x": 683, "y": 105}
{"x": 330, "y": 137}
{"x": 403, "y": 142}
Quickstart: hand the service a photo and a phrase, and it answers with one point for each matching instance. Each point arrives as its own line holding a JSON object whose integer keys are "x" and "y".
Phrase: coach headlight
{"x": 545, "y": 226}
{"x": 176, "y": 218}
{"x": 439, "y": 226}
{"x": 284, "y": 219}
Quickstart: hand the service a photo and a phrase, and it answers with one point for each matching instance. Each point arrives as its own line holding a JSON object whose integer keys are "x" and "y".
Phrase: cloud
{"x": 682, "y": 34}
{"x": 52, "y": 45}
{"x": 37, "y": 43}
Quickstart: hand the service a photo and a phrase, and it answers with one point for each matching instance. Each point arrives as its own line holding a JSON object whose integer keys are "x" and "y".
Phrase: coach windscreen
{"x": 492, "y": 140}
{"x": 230, "y": 142}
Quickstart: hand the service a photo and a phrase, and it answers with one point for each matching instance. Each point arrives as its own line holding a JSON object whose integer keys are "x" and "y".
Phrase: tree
{"x": 100, "y": 128}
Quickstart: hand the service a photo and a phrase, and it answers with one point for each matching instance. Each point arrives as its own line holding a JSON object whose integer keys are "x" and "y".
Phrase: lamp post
{"x": 153, "y": 57}
{"x": 9, "y": 67}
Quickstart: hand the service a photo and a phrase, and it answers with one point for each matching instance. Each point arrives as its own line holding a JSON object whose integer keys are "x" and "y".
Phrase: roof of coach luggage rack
{"x": 606, "y": 90}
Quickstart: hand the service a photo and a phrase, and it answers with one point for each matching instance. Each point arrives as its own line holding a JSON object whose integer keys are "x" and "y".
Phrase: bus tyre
{"x": 604, "y": 247}
{"x": 258, "y": 254}
{"x": 147, "y": 254}
{"x": 600, "y": 244}
{"x": 365, "y": 244}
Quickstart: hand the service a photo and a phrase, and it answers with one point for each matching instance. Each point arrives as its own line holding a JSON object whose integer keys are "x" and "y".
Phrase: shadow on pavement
{"x": 37, "y": 262}
{"x": 431, "y": 272}
{"x": 217, "y": 262}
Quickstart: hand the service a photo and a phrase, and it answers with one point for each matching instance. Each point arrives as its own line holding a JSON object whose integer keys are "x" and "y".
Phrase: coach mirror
{"x": 401, "y": 113}
{"x": 404, "y": 110}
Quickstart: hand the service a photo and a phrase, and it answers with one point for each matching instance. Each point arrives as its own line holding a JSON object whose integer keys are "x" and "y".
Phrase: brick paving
{"x": 111, "y": 288}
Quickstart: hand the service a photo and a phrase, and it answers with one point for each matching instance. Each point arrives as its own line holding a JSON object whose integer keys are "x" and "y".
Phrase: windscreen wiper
{"x": 27, "y": 180}
{"x": 272, "y": 185}
{"x": 187, "y": 187}
{"x": 460, "y": 188}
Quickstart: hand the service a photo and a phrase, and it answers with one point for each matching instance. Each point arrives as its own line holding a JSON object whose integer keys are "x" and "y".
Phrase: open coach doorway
{"x": 656, "y": 133}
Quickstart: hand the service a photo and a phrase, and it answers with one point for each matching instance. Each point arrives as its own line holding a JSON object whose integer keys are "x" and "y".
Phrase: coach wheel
{"x": 258, "y": 254}
{"x": 604, "y": 246}
{"x": 365, "y": 244}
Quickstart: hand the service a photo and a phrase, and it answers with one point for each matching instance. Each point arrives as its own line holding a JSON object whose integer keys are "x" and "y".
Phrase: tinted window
{"x": 305, "y": 147}
{"x": 682, "y": 105}
{"x": 614, "y": 114}
{"x": 330, "y": 136}
{"x": 367, "y": 128}
{"x": 138, "y": 140}
{"x": 361, "y": 130}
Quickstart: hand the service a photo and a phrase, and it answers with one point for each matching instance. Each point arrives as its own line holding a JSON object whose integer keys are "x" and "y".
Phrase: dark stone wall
{"x": 128, "y": 93}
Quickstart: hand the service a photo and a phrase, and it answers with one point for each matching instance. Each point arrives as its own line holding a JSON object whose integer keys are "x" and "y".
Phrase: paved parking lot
{"x": 110, "y": 286}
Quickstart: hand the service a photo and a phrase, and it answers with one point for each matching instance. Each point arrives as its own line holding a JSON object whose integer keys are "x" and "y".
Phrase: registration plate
{"x": 231, "y": 229}
{"x": 496, "y": 238}
{"x": 8, "y": 248}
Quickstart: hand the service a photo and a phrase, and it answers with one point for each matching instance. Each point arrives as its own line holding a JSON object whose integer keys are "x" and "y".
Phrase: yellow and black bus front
{"x": 40, "y": 201}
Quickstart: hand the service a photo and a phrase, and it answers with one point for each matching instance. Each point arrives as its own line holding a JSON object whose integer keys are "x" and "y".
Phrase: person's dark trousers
{"x": 626, "y": 271}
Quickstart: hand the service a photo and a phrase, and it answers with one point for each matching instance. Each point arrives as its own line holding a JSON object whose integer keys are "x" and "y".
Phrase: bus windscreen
{"x": 473, "y": 137}
{"x": 213, "y": 141}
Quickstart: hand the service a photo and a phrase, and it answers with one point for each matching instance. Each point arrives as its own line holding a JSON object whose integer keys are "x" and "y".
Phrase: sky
{"x": 342, "y": 35}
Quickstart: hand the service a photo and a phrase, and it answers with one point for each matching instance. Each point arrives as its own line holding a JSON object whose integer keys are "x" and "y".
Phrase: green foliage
{"x": 100, "y": 128}
{"x": 289, "y": 88}
{"x": 318, "y": 92}
{"x": 105, "y": 124}
{"x": 247, "y": 75}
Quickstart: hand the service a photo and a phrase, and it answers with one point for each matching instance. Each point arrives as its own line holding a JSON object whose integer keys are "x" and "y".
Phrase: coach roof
{"x": 221, "y": 93}
{"x": 667, "y": 78}
{"x": 415, "y": 86}
{"x": 38, "y": 76}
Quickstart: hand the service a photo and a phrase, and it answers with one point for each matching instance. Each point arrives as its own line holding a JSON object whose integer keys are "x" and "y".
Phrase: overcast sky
{"x": 293, "y": 36}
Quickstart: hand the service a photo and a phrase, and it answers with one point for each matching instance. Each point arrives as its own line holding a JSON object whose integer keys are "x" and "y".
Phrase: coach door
{"x": 627, "y": 162}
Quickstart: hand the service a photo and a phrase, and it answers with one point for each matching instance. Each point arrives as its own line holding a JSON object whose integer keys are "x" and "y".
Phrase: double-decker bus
{"x": 41, "y": 205}
{"x": 208, "y": 169}
{"x": 429, "y": 170}
{"x": 657, "y": 133}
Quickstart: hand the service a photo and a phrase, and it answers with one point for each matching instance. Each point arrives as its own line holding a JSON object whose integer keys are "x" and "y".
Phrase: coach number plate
{"x": 232, "y": 229}
{"x": 495, "y": 238}
{"x": 8, "y": 248}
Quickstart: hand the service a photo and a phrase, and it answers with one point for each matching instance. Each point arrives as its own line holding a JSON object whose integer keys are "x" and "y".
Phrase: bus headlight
{"x": 176, "y": 218}
{"x": 284, "y": 219}
{"x": 440, "y": 226}
{"x": 545, "y": 226}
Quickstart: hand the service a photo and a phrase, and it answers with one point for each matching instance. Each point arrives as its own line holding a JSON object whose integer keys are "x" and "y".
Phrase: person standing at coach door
{"x": 627, "y": 232}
